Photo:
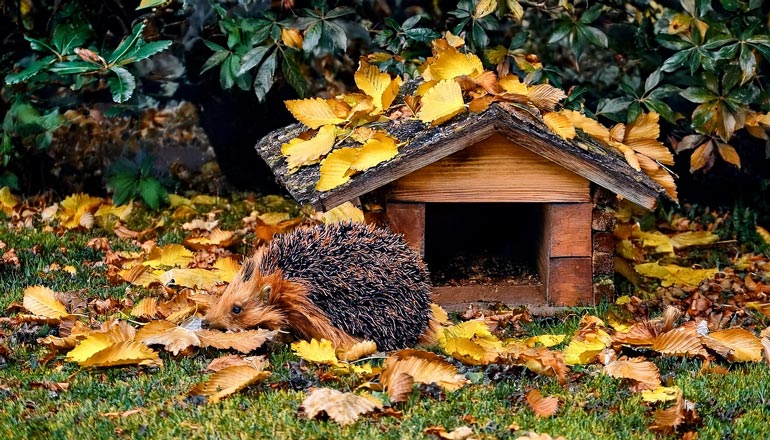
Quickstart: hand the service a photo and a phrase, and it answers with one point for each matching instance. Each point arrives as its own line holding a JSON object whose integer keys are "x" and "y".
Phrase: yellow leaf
{"x": 320, "y": 352}
{"x": 171, "y": 336}
{"x": 77, "y": 210}
{"x": 378, "y": 85}
{"x": 313, "y": 112}
{"x": 227, "y": 267}
{"x": 484, "y": 8}
{"x": 729, "y": 154}
{"x": 452, "y": 63}
{"x": 511, "y": 84}
{"x": 204, "y": 279}
{"x": 343, "y": 408}
{"x": 441, "y": 103}
{"x": 693, "y": 238}
{"x": 638, "y": 369}
{"x": 123, "y": 353}
{"x": 702, "y": 156}
{"x": 545, "y": 340}
{"x": 560, "y": 125}
{"x": 228, "y": 381}
{"x": 345, "y": 212}
{"x": 380, "y": 148}
{"x": 291, "y": 38}
{"x": 582, "y": 352}
{"x": 7, "y": 201}
{"x": 41, "y": 301}
{"x": 742, "y": 345}
{"x": 301, "y": 152}
{"x": 243, "y": 341}
{"x": 121, "y": 212}
{"x": 661, "y": 394}
{"x": 471, "y": 342}
{"x": 168, "y": 256}
{"x": 672, "y": 274}
{"x": 764, "y": 234}
{"x": 658, "y": 174}
{"x": 453, "y": 40}
{"x": 591, "y": 127}
{"x": 357, "y": 351}
{"x": 89, "y": 346}
{"x": 146, "y": 308}
{"x": 515, "y": 8}
{"x": 657, "y": 240}
{"x": 335, "y": 168}
{"x": 274, "y": 218}
{"x": 423, "y": 367}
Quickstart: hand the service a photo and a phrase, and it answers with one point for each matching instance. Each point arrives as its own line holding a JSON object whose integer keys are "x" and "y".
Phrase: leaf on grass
{"x": 559, "y": 124}
{"x": 638, "y": 369}
{"x": 400, "y": 387}
{"x": 459, "y": 433}
{"x": 671, "y": 274}
{"x": 343, "y": 408}
{"x": 545, "y": 340}
{"x": 171, "y": 336}
{"x": 77, "y": 210}
{"x": 376, "y": 84}
{"x": 735, "y": 344}
{"x": 215, "y": 238}
{"x": 319, "y": 352}
{"x": 235, "y": 360}
{"x": 693, "y": 238}
{"x": 89, "y": 346}
{"x": 123, "y": 353}
{"x": 204, "y": 279}
{"x": 661, "y": 394}
{"x": 41, "y": 301}
{"x": 669, "y": 419}
{"x": 582, "y": 352}
{"x": 424, "y": 367}
{"x": 441, "y": 103}
{"x": 357, "y": 351}
{"x": 766, "y": 349}
{"x": 542, "y": 406}
{"x": 681, "y": 341}
{"x": 300, "y": 152}
{"x": 313, "y": 112}
{"x": 378, "y": 149}
{"x": 335, "y": 168}
{"x": 544, "y": 361}
{"x": 244, "y": 342}
{"x": 470, "y": 342}
{"x": 228, "y": 381}
{"x": 172, "y": 255}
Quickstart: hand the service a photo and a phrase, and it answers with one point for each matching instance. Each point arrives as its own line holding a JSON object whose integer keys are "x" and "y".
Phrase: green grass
{"x": 593, "y": 405}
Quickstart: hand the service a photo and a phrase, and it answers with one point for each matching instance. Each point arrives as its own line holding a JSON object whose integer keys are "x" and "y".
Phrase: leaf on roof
{"x": 380, "y": 148}
{"x": 379, "y": 85}
{"x": 313, "y": 112}
{"x": 441, "y": 103}
{"x": 335, "y": 168}
{"x": 300, "y": 152}
{"x": 559, "y": 124}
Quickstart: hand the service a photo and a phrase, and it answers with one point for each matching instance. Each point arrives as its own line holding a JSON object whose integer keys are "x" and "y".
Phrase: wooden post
{"x": 408, "y": 219}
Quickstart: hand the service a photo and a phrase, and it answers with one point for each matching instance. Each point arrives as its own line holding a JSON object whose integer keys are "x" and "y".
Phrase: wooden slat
{"x": 569, "y": 229}
{"x": 493, "y": 170}
{"x": 408, "y": 219}
{"x": 455, "y": 298}
{"x": 570, "y": 281}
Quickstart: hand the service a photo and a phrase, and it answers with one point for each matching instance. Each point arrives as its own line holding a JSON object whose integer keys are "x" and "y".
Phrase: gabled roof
{"x": 425, "y": 145}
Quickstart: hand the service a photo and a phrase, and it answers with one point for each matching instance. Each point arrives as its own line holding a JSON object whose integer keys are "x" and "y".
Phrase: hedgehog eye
{"x": 266, "y": 291}
{"x": 236, "y": 310}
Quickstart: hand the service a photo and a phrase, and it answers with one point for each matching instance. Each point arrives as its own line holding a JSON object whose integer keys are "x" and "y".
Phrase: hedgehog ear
{"x": 265, "y": 292}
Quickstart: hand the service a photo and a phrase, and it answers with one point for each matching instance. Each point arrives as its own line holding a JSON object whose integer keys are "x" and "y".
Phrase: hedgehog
{"x": 344, "y": 282}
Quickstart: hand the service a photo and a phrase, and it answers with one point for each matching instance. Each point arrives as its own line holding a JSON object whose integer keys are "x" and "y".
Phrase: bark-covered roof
{"x": 426, "y": 144}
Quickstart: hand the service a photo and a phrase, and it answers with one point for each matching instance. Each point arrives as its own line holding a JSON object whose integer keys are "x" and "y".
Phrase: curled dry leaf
{"x": 244, "y": 342}
{"x": 681, "y": 341}
{"x": 41, "y": 301}
{"x": 343, "y": 408}
{"x": 234, "y": 360}
{"x": 228, "y": 381}
{"x": 766, "y": 349}
{"x": 400, "y": 387}
{"x": 735, "y": 344}
{"x": 669, "y": 419}
{"x": 171, "y": 336}
{"x": 424, "y": 367}
{"x": 542, "y": 406}
{"x": 357, "y": 351}
{"x": 638, "y": 369}
{"x": 459, "y": 433}
{"x": 146, "y": 308}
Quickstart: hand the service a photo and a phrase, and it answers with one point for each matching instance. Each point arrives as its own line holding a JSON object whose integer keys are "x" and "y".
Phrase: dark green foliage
{"x": 130, "y": 181}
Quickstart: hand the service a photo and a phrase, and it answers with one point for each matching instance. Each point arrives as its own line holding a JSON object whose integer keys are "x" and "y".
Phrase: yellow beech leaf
{"x": 343, "y": 408}
{"x": 301, "y": 152}
{"x": 661, "y": 394}
{"x": 582, "y": 352}
{"x": 542, "y": 406}
{"x": 7, "y": 201}
{"x": 655, "y": 239}
{"x": 123, "y": 353}
{"x": 764, "y": 234}
{"x": 168, "y": 256}
{"x": 146, "y": 308}
{"x": 559, "y": 124}
{"x": 729, "y": 154}
{"x": 423, "y": 367}
{"x": 591, "y": 127}
{"x": 121, "y": 212}
{"x": 204, "y": 279}
{"x": 741, "y": 344}
{"x": 456, "y": 41}
{"x": 671, "y": 274}
{"x": 376, "y": 150}
{"x": 228, "y": 381}
{"x": 244, "y": 341}
{"x": 441, "y": 103}
{"x": 471, "y": 342}
{"x": 637, "y": 369}
{"x": 215, "y": 238}
{"x": 545, "y": 340}
{"x": 512, "y": 84}
{"x": 77, "y": 210}
{"x": 313, "y": 112}
{"x": 484, "y": 8}
{"x": 378, "y": 85}
{"x": 357, "y": 351}
{"x": 693, "y": 238}
{"x": 41, "y": 301}
{"x": 658, "y": 174}
{"x": 642, "y": 134}
{"x": 319, "y": 352}
{"x": 227, "y": 267}
{"x": 343, "y": 213}
{"x": 452, "y": 63}
{"x": 171, "y": 336}
{"x": 335, "y": 168}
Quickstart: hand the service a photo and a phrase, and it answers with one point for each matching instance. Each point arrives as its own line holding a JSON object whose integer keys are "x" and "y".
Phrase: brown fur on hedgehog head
{"x": 249, "y": 301}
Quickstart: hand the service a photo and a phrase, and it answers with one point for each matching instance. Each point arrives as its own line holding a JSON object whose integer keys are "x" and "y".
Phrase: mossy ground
{"x": 731, "y": 404}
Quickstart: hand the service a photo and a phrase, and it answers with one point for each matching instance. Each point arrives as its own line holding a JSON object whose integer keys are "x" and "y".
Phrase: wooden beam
{"x": 568, "y": 229}
{"x": 570, "y": 281}
{"x": 408, "y": 219}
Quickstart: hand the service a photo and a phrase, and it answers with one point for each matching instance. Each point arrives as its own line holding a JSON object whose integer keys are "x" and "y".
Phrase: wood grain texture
{"x": 567, "y": 229}
{"x": 408, "y": 219}
{"x": 493, "y": 170}
{"x": 570, "y": 281}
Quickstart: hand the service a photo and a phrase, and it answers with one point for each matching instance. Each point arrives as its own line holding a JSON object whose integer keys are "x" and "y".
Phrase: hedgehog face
{"x": 248, "y": 302}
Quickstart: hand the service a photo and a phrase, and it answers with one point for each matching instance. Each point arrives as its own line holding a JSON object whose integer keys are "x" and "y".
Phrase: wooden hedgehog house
{"x": 492, "y": 183}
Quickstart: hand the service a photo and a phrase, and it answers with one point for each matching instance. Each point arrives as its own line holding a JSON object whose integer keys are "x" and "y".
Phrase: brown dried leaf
{"x": 766, "y": 349}
{"x": 245, "y": 341}
{"x": 172, "y": 337}
{"x": 357, "y": 351}
{"x": 459, "y": 433}
{"x": 233, "y": 360}
{"x": 146, "y": 308}
{"x": 542, "y": 406}
{"x": 424, "y": 367}
{"x": 228, "y": 381}
{"x": 400, "y": 387}
{"x": 343, "y": 408}
{"x": 736, "y": 344}
{"x": 681, "y": 341}
{"x": 637, "y": 369}
{"x": 545, "y": 97}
